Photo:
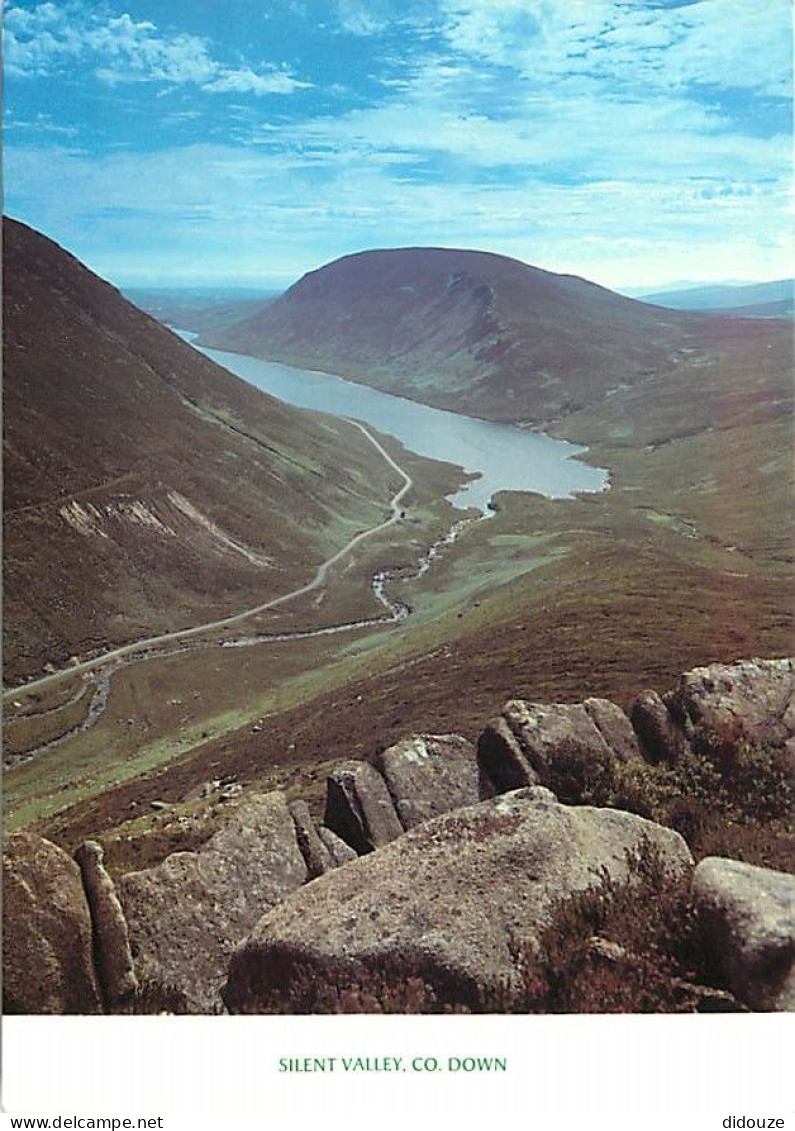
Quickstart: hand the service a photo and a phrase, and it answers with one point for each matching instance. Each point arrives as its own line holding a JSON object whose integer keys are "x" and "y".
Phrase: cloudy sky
{"x": 635, "y": 142}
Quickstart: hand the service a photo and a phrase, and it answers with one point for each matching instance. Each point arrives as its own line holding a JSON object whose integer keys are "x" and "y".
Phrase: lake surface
{"x": 508, "y": 458}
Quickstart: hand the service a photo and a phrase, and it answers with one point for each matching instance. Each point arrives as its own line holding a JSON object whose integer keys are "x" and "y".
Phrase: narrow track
{"x": 130, "y": 650}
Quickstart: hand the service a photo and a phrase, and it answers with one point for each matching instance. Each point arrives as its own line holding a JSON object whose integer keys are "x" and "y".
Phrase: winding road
{"x": 188, "y": 633}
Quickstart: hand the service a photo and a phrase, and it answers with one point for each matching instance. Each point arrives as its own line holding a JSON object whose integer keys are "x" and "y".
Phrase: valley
{"x": 615, "y": 590}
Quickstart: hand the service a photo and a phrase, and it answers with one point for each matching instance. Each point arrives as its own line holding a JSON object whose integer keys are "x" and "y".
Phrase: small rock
{"x": 340, "y": 852}
{"x": 502, "y": 759}
{"x": 605, "y": 949}
{"x": 709, "y": 1000}
{"x": 662, "y": 739}
{"x": 316, "y": 855}
{"x": 559, "y": 745}
{"x": 359, "y": 808}
{"x": 615, "y": 728}
{"x": 113, "y": 958}
{"x": 751, "y": 699}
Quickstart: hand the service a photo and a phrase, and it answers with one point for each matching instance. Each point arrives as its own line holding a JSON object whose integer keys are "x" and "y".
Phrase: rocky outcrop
{"x": 748, "y": 918}
{"x": 557, "y": 745}
{"x": 751, "y": 700}
{"x": 359, "y": 808}
{"x": 187, "y": 914}
{"x": 112, "y": 955}
{"x": 459, "y": 876}
{"x": 47, "y": 945}
{"x": 447, "y": 903}
{"x": 428, "y": 775}
{"x": 316, "y": 855}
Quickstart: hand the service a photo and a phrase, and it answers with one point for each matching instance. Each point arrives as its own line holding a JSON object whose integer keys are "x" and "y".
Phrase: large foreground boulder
{"x": 748, "y": 918}
{"x": 565, "y": 746}
{"x": 428, "y": 775}
{"x": 447, "y": 903}
{"x": 187, "y": 914}
{"x": 47, "y": 943}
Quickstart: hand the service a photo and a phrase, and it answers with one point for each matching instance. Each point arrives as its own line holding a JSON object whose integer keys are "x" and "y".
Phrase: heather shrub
{"x": 725, "y": 798}
{"x": 153, "y": 997}
{"x": 618, "y": 948}
{"x": 382, "y": 984}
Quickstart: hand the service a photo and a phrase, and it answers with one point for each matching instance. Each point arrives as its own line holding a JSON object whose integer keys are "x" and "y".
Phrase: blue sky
{"x": 634, "y": 142}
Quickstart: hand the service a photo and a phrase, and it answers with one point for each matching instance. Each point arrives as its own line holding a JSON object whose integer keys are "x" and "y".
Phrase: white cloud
{"x": 728, "y": 43}
{"x": 576, "y": 135}
{"x": 246, "y": 81}
{"x": 358, "y": 17}
{"x": 42, "y": 40}
{"x": 216, "y": 209}
{"x": 557, "y": 135}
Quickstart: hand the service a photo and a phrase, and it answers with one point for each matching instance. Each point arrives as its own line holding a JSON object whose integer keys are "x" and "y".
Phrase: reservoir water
{"x": 507, "y": 458}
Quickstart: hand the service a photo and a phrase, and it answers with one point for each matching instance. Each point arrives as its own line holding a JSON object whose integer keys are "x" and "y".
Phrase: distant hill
{"x": 467, "y": 330}
{"x": 145, "y": 488}
{"x": 761, "y": 300}
{"x": 200, "y": 309}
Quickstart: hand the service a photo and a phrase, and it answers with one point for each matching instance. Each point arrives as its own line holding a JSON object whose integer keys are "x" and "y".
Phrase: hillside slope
{"x": 145, "y": 487}
{"x": 467, "y": 330}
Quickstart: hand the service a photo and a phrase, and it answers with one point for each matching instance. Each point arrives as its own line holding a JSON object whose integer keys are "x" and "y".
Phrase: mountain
{"x": 145, "y": 487}
{"x": 643, "y": 290}
{"x": 774, "y": 299}
{"x": 468, "y": 330}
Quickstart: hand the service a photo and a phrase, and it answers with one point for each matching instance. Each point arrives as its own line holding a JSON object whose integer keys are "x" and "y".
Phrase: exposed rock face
{"x": 752, "y": 699}
{"x": 748, "y": 915}
{"x": 340, "y": 852}
{"x": 662, "y": 738}
{"x": 447, "y": 901}
{"x": 557, "y": 745}
{"x": 317, "y": 857}
{"x": 428, "y": 775}
{"x": 359, "y": 808}
{"x": 47, "y": 945}
{"x": 615, "y": 728}
{"x": 186, "y": 915}
{"x": 112, "y": 955}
